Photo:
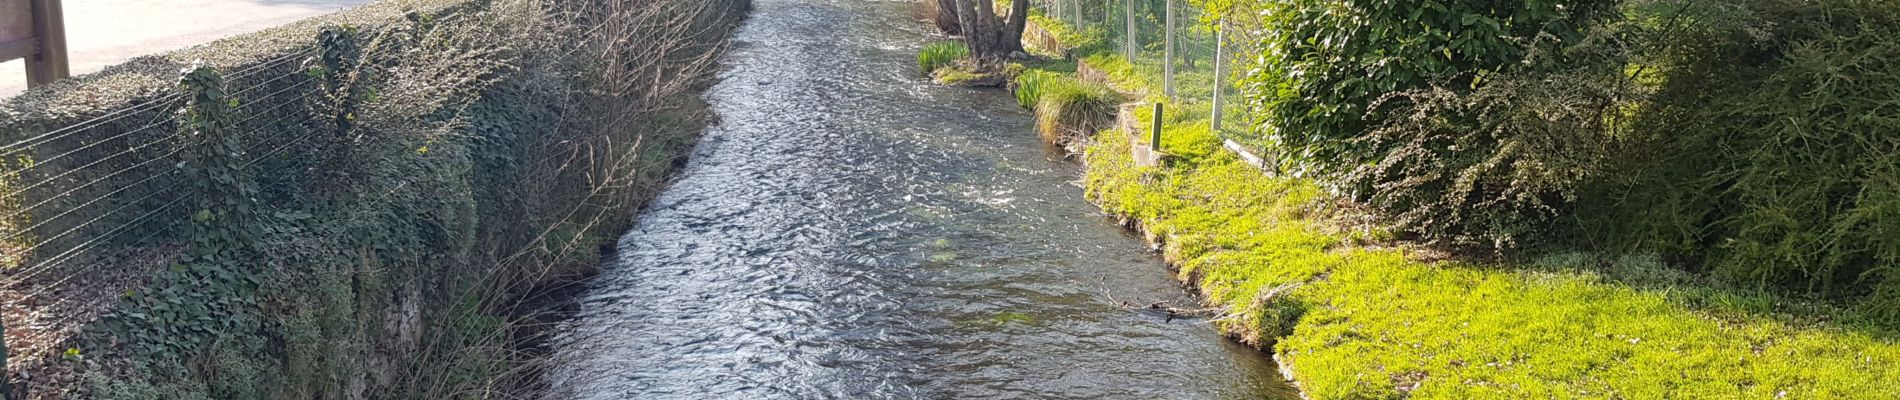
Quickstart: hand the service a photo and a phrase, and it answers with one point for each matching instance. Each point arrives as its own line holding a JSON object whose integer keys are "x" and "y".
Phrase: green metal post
{"x": 6, "y": 383}
{"x": 1154, "y": 138}
{"x": 1220, "y": 47}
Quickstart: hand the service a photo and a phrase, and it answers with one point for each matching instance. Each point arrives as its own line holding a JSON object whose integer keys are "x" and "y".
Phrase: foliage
{"x": 207, "y": 295}
{"x": 1068, "y": 109}
{"x": 1355, "y": 321}
{"x": 1492, "y": 166}
{"x": 1077, "y": 41}
{"x": 1370, "y": 323}
{"x": 1325, "y": 62}
{"x": 1768, "y": 153}
{"x": 464, "y": 170}
{"x": 1120, "y": 73}
{"x": 1030, "y": 85}
{"x": 1184, "y": 130}
{"x": 1514, "y": 152}
{"x": 346, "y": 87}
{"x": 941, "y": 54}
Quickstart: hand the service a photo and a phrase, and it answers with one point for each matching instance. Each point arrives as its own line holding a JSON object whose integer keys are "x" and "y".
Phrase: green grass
{"x": 1356, "y": 320}
{"x": 940, "y": 54}
{"x": 954, "y": 74}
{"x": 1088, "y": 40}
{"x": 1370, "y": 323}
{"x": 1068, "y": 109}
{"x": 1030, "y": 85}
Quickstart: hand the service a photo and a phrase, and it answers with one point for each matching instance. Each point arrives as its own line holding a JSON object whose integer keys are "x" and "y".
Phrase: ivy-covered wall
{"x": 354, "y": 206}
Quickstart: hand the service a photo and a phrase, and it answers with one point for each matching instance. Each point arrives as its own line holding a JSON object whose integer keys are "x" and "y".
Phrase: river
{"x": 849, "y": 230}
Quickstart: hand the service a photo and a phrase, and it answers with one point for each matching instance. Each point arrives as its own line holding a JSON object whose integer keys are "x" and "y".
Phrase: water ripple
{"x": 850, "y": 231}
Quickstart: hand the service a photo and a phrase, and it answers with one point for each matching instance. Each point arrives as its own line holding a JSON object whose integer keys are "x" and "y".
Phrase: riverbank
{"x": 1352, "y": 314}
{"x": 376, "y": 203}
{"x": 873, "y": 235}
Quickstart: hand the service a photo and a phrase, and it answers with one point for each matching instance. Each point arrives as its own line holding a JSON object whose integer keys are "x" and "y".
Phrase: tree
{"x": 943, "y": 13}
{"x": 989, "y": 36}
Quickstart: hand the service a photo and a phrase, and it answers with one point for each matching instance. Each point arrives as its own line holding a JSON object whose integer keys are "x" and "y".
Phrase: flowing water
{"x": 851, "y": 231}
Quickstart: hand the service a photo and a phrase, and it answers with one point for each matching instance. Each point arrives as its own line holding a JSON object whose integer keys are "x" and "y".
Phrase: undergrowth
{"x": 1355, "y": 315}
{"x": 1066, "y": 109}
{"x": 454, "y": 172}
{"x": 1361, "y": 322}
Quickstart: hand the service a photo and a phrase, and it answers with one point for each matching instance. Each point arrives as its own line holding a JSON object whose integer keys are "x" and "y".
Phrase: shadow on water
{"x": 850, "y": 231}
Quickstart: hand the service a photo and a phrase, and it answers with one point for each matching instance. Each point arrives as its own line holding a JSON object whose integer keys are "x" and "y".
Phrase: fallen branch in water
{"x": 1173, "y": 312}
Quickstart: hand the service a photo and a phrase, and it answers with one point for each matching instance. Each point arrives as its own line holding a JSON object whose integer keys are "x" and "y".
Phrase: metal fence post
{"x": 6, "y": 380}
{"x": 1220, "y": 47}
{"x": 1128, "y": 36}
{"x": 1154, "y": 136}
{"x": 1079, "y": 5}
{"x": 1167, "y": 56}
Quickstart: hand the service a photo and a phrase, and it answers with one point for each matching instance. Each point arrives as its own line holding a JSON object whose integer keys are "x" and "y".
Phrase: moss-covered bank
{"x": 1353, "y": 320}
{"x": 1352, "y": 314}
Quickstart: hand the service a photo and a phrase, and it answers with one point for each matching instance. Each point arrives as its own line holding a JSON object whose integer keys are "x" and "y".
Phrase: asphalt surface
{"x": 101, "y": 33}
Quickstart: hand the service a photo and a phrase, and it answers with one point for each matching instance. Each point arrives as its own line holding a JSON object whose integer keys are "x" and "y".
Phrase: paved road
{"x": 101, "y": 33}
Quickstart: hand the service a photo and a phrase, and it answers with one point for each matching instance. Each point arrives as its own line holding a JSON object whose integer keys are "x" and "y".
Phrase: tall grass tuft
{"x": 939, "y": 54}
{"x": 1069, "y": 109}
{"x": 1029, "y": 86}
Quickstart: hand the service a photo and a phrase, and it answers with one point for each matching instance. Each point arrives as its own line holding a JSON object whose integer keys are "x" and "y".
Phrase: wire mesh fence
{"x": 88, "y": 208}
{"x": 1174, "y": 49}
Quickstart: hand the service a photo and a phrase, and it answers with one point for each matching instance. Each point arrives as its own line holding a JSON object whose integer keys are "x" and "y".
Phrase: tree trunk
{"x": 1012, "y": 34}
{"x": 966, "y": 20}
{"x": 945, "y": 16}
{"x": 988, "y": 36}
{"x": 986, "y": 25}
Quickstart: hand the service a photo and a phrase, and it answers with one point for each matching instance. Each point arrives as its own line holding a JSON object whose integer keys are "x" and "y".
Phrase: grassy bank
{"x": 1352, "y": 320}
{"x": 1353, "y": 314}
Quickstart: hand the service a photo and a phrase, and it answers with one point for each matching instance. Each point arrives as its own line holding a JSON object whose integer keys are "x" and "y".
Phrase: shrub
{"x": 939, "y": 54}
{"x": 1470, "y": 123}
{"x": 1325, "y": 61}
{"x": 1078, "y": 41}
{"x": 1769, "y": 153}
{"x": 1492, "y": 167}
